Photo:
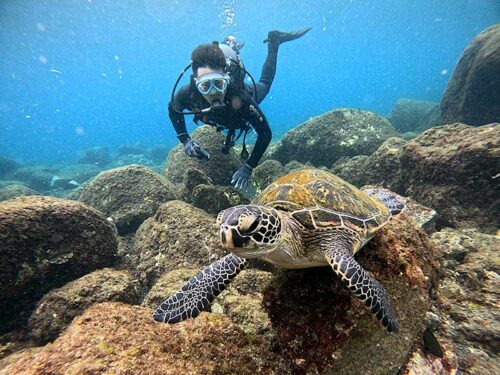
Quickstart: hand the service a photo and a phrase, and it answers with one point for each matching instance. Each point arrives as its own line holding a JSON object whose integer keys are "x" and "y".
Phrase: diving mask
{"x": 213, "y": 87}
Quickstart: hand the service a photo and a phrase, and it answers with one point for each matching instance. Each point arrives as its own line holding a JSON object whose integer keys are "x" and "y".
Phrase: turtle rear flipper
{"x": 199, "y": 292}
{"x": 367, "y": 289}
{"x": 387, "y": 198}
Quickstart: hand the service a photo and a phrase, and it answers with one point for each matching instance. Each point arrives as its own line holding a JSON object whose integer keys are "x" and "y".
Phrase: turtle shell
{"x": 320, "y": 200}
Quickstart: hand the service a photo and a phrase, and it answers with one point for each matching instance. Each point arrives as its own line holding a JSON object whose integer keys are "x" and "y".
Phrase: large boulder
{"x": 129, "y": 195}
{"x": 414, "y": 115}
{"x": 159, "y": 153}
{"x": 454, "y": 170}
{"x": 213, "y": 198}
{"x": 464, "y": 321}
{"x": 117, "y": 338}
{"x": 266, "y": 172}
{"x": 473, "y": 92}
{"x": 7, "y": 166}
{"x": 38, "y": 178}
{"x": 56, "y": 310}
{"x": 99, "y": 156}
{"x": 44, "y": 243}
{"x": 325, "y": 329}
{"x": 351, "y": 169}
{"x": 178, "y": 235}
{"x": 468, "y": 296}
{"x": 219, "y": 168}
{"x": 13, "y": 191}
{"x": 79, "y": 172}
{"x": 325, "y": 138}
{"x": 383, "y": 167}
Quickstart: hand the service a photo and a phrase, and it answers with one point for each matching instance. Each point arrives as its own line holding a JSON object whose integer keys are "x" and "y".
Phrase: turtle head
{"x": 249, "y": 230}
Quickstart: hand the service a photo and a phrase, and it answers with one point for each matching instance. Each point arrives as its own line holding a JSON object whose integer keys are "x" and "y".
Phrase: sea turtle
{"x": 308, "y": 218}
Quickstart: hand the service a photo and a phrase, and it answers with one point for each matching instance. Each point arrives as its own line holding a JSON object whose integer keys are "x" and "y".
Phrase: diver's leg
{"x": 268, "y": 71}
{"x": 274, "y": 39}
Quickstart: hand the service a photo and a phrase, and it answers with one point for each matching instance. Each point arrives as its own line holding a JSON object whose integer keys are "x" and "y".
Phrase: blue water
{"x": 81, "y": 73}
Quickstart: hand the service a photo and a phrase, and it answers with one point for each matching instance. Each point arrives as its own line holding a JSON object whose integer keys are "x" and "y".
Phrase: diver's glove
{"x": 192, "y": 149}
{"x": 242, "y": 176}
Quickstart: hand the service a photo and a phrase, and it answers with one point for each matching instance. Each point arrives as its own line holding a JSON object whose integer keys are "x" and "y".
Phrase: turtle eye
{"x": 248, "y": 224}
{"x": 253, "y": 226}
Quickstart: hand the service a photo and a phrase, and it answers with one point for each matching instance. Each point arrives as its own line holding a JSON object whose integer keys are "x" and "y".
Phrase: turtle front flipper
{"x": 387, "y": 198}
{"x": 367, "y": 289}
{"x": 199, "y": 292}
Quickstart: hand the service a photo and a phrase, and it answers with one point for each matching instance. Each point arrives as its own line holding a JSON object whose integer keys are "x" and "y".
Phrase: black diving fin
{"x": 282, "y": 37}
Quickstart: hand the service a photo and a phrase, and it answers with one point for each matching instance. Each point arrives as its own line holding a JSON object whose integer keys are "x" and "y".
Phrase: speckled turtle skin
{"x": 319, "y": 200}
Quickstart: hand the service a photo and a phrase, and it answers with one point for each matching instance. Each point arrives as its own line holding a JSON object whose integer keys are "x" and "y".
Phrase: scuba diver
{"x": 217, "y": 95}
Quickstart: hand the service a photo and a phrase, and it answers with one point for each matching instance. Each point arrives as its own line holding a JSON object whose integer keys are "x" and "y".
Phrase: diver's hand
{"x": 192, "y": 149}
{"x": 242, "y": 176}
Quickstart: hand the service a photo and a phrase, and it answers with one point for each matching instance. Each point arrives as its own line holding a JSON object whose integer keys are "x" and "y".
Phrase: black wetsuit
{"x": 228, "y": 117}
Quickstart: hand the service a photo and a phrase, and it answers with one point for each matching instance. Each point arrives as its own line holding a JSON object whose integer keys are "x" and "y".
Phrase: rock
{"x": 219, "y": 168}
{"x": 414, "y": 115}
{"x": 467, "y": 305}
{"x": 13, "y": 191}
{"x": 99, "y": 156}
{"x": 266, "y": 172}
{"x": 324, "y": 139}
{"x": 136, "y": 149}
{"x": 473, "y": 92}
{"x": 56, "y": 310}
{"x": 159, "y": 153}
{"x": 294, "y": 165}
{"x": 37, "y": 178}
{"x": 7, "y": 166}
{"x": 454, "y": 169}
{"x": 168, "y": 284}
{"x": 71, "y": 194}
{"x": 213, "y": 199}
{"x": 383, "y": 166}
{"x": 351, "y": 169}
{"x": 407, "y": 136}
{"x": 192, "y": 178}
{"x": 118, "y": 338}
{"x": 5, "y": 183}
{"x": 324, "y": 329}
{"x": 79, "y": 172}
{"x": 44, "y": 243}
{"x": 423, "y": 217}
{"x": 178, "y": 235}
{"x": 241, "y": 301}
{"x": 130, "y": 159}
{"x": 129, "y": 195}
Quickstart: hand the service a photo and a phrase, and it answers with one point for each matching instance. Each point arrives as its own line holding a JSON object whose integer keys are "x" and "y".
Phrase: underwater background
{"x": 84, "y": 73}
{"x": 386, "y": 137}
